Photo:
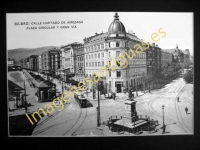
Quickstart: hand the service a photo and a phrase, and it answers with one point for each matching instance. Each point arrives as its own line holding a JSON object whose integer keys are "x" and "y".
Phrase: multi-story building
{"x": 54, "y": 60}
{"x": 153, "y": 58}
{"x": 39, "y": 63}
{"x": 11, "y": 61}
{"x": 33, "y": 62}
{"x": 27, "y": 63}
{"x": 45, "y": 61}
{"x": 79, "y": 64}
{"x": 72, "y": 58}
{"x": 103, "y": 49}
{"x": 166, "y": 58}
{"x": 179, "y": 56}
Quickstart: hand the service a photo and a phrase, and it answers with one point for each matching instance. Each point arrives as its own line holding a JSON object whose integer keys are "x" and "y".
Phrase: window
{"x": 96, "y": 64}
{"x": 117, "y": 44}
{"x": 102, "y": 46}
{"x": 92, "y": 56}
{"x": 92, "y": 64}
{"x": 109, "y": 73}
{"x": 117, "y": 53}
{"x": 98, "y": 46}
{"x": 109, "y": 54}
{"x": 86, "y": 64}
{"x": 89, "y": 64}
{"x": 102, "y": 63}
{"x": 118, "y": 74}
{"x": 89, "y": 56}
{"x": 98, "y": 55}
{"x": 102, "y": 55}
{"x": 126, "y": 74}
{"x": 95, "y": 55}
{"x": 99, "y": 64}
{"x": 91, "y": 48}
{"x": 109, "y": 44}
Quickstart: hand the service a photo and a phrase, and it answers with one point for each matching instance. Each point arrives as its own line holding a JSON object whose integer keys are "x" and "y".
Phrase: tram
{"x": 82, "y": 101}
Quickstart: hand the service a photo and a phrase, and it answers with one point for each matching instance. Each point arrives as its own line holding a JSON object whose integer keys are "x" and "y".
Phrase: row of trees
{"x": 188, "y": 77}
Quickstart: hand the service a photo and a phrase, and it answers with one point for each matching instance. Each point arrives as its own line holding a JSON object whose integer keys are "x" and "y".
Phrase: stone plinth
{"x": 130, "y": 114}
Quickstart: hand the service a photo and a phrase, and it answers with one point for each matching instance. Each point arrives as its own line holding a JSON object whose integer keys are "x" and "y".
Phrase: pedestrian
{"x": 113, "y": 95}
{"x": 186, "y": 110}
{"x": 177, "y": 99}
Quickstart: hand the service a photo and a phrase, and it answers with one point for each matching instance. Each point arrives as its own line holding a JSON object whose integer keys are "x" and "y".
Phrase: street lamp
{"x": 163, "y": 120}
{"x": 25, "y": 93}
{"x": 100, "y": 88}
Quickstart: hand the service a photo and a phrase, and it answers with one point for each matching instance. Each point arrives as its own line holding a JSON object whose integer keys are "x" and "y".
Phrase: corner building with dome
{"x": 103, "y": 49}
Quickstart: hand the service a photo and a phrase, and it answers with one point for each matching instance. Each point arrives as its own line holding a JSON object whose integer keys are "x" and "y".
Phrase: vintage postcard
{"x": 100, "y": 74}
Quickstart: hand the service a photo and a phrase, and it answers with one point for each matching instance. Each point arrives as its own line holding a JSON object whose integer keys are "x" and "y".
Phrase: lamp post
{"x": 25, "y": 93}
{"x": 163, "y": 120}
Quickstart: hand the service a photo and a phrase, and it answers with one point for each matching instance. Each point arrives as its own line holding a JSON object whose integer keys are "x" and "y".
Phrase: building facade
{"x": 54, "y": 60}
{"x": 72, "y": 59}
{"x": 166, "y": 59}
{"x": 39, "y": 64}
{"x": 33, "y": 62}
{"x": 103, "y": 49}
{"x": 45, "y": 61}
{"x": 11, "y": 61}
{"x": 180, "y": 57}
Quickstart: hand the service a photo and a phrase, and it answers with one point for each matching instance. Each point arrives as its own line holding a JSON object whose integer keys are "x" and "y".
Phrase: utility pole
{"x": 98, "y": 108}
{"x": 62, "y": 84}
{"x": 25, "y": 92}
{"x": 93, "y": 87}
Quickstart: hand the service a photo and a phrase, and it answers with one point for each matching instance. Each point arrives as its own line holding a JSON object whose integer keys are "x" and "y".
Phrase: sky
{"x": 177, "y": 26}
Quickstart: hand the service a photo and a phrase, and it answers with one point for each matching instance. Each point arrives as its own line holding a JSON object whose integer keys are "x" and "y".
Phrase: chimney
{"x": 96, "y": 33}
{"x": 130, "y": 31}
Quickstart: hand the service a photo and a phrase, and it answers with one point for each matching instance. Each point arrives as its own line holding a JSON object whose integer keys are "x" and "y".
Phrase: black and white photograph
{"x": 100, "y": 74}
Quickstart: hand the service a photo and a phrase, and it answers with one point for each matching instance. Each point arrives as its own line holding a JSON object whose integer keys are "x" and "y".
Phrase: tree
{"x": 188, "y": 77}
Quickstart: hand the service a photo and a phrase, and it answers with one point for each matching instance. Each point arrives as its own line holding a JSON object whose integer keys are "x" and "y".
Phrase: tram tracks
{"x": 153, "y": 111}
{"x": 79, "y": 122}
{"x": 49, "y": 118}
{"x": 179, "y": 116}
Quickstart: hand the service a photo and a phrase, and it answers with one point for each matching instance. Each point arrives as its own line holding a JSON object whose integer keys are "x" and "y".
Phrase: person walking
{"x": 186, "y": 110}
{"x": 113, "y": 95}
{"x": 177, "y": 99}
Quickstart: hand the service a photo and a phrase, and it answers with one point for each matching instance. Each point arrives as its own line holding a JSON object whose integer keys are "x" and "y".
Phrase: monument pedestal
{"x": 130, "y": 115}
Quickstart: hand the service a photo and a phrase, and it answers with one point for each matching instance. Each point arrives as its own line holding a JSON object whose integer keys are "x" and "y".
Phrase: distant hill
{"x": 22, "y": 53}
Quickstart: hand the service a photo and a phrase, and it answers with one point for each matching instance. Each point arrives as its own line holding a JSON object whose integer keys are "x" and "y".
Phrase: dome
{"x": 116, "y": 27}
